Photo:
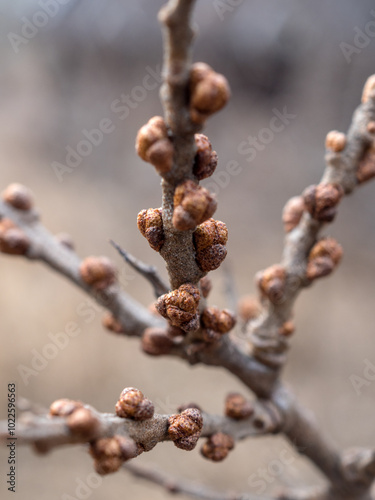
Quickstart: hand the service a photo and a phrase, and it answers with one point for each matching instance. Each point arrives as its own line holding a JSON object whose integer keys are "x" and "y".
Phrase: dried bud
{"x": 366, "y": 167}
{"x": 292, "y": 213}
{"x": 287, "y": 329}
{"x": 64, "y": 407}
{"x": 237, "y": 407}
{"x": 323, "y": 258}
{"x": 321, "y": 201}
{"x": 369, "y": 89}
{"x": 209, "y": 241}
{"x": 132, "y": 404}
{"x": 206, "y": 286}
{"x": 336, "y": 141}
{"x": 220, "y": 321}
{"x": 110, "y": 453}
{"x": 271, "y": 283}
{"x": 205, "y": 161}
{"x": 184, "y": 429}
{"x": 13, "y": 241}
{"x": 66, "y": 240}
{"x": 154, "y": 146}
{"x": 98, "y": 272}
{"x": 181, "y": 307}
{"x": 111, "y": 323}
{"x": 150, "y": 224}
{"x": 209, "y": 92}
{"x": 155, "y": 341}
{"x": 83, "y": 423}
{"x": 249, "y": 308}
{"x": 193, "y": 205}
{"x": 217, "y": 447}
{"x": 18, "y": 196}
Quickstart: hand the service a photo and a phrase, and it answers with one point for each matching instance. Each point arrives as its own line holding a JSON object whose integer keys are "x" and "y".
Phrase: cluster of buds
{"x": 366, "y": 167}
{"x": 292, "y": 213}
{"x": 193, "y": 205}
{"x": 336, "y": 141}
{"x": 158, "y": 341}
{"x": 150, "y": 224}
{"x": 185, "y": 428}
{"x": 98, "y": 272}
{"x": 13, "y": 241}
{"x": 209, "y": 92}
{"x": 323, "y": 258}
{"x": 237, "y": 407}
{"x": 321, "y": 201}
{"x": 80, "y": 419}
{"x": 216, "y": 322}
{"x": 18, "y": 196}
{"x": 249, "y": 308}
{"x": 110, "y": 453}
{"x": 180, "y": 307}
{"x": 272, "y": 283}
{"x": 154, "y": 146}
{"x": 133, "y": 404}
{"x": 205, "y": 161}
{"x": 210, "y": 239}
{"x": 217, "y": 447}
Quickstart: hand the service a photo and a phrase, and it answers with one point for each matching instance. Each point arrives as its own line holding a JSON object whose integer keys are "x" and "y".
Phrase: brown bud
{"x": 209, "y": 92}
{"x": 237, "y": 407}
{"x": 181, "y": 307}
{"x": 206, "y": 286}
{"x": 217, "y": 447}
{"x": 132, "y": 404}
{"x": 366, "y": 167}
{"x": 64, "y": 407}
{"x": 321, "y": 201}
{"x": 369, "y": 89}
{"x": 193, "y": 205}
{"x": 186, "y": 406}
{"x": 175, "y": 332}
{"x": 371, "y": 127}
{"x": 18, "y": 196}
{"x": 210, "y": 336}
{"x": 221, "y": 321}
{"x": 287, "y": 329}
{"x": 205, "y": 161}
{"x": 249, "y": 308}
{"x": 13, "y": 241}
{"x": 107, "y": 465}
{"x": 83, "y": 423}
{"x": 292, "y": 213}
{"x": 111, "y": 323}
{"x": 209, "y": 241}
{"x": 150, "y": 224}
{"x": 66, "y": 240}
{"x": 271, "y": 283}
{"x": 325, "y": 255}
{"x": 155, "y": 341}
{"x": 336, "y": 141}
{"x": 154, "y": 146}
{"x": 98, "y": 272}
{"x": 110, "y": 453}
{"x": 185, "y": 428}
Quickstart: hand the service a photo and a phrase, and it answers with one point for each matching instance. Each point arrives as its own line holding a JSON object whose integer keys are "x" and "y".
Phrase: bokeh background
{"x": 64, "y": 80}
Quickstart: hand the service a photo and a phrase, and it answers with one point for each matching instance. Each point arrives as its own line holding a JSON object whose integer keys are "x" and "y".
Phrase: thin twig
{"x": 149, "y": 272}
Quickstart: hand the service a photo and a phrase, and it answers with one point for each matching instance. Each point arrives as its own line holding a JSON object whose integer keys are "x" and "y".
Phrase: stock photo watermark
{"x": 121, "y": 108}
{"x": 84, "y": 488}
{"x": 223, "y": 6}
{"x": 361, "y": 40}
{"x": 365, "y": 379}
{"x": 31, "y": 25}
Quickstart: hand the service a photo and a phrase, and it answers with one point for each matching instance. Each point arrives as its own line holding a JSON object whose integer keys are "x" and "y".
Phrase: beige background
{"x": 275, "y": 54}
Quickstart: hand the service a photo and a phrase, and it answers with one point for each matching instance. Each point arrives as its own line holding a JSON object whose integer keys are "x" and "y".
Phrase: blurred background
{"x": 67, "y": 66}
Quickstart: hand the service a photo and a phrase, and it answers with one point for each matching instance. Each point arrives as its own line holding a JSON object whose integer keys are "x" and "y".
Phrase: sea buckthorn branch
{"x": 39, "y": 244}
{"x": 350, "y": 161}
